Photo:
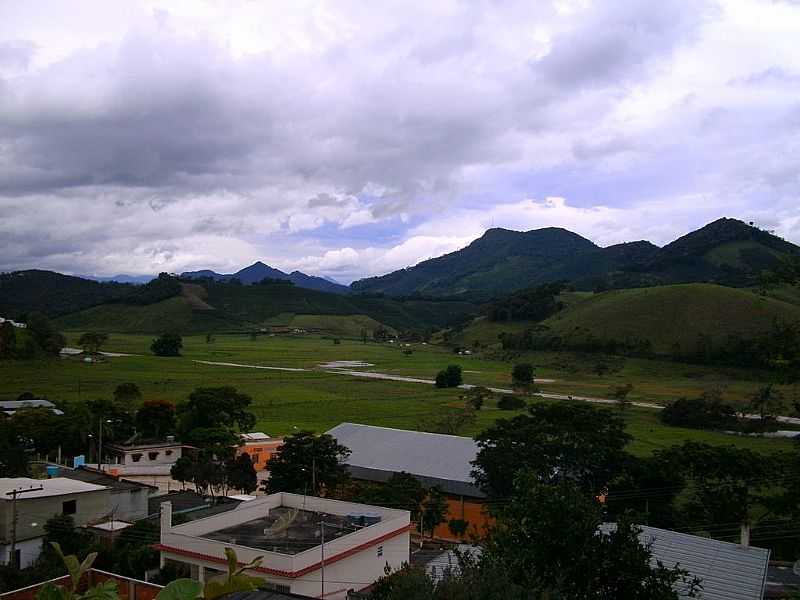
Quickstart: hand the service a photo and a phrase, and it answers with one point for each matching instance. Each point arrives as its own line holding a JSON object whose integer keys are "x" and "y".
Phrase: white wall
{"x": 29, "y": 552}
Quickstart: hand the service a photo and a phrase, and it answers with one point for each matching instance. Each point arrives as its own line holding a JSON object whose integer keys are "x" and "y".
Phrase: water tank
{"x": 170, "y": 438}
{"x": 52, "y": 471}
{"x": 356, "y": 519}
{"x": 370, "y": 518}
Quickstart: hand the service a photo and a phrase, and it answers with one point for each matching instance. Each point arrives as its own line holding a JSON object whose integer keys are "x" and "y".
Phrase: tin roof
{"x": 434, "y": 458}
{"x": 58, "y": 486}
{"x": 726, "y": 571}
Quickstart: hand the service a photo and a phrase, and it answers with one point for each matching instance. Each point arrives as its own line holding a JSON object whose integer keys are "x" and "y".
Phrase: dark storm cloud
{"x": 165, "y": 145}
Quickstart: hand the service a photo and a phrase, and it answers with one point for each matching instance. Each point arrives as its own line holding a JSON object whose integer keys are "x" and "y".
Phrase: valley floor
{"x": 304, "y": 395}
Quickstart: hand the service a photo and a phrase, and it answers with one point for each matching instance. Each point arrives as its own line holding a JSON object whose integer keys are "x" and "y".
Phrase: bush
{"x": 705, "y": 412}
{"x": 510, "y": 402}
{"x": 449, "y": 377}
{"x": 168, "y": 344}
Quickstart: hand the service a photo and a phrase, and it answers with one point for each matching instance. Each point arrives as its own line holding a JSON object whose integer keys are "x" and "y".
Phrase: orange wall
{"x": 261, "y": 452}
{"x": 471, "y": 510}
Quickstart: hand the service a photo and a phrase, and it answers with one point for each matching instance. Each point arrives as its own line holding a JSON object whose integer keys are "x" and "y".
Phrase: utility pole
{"x": 100, "y": 448}
{"x": 314, "y": 475}
{"x": 322, "y": 548}
{"x": 14, "y": 518}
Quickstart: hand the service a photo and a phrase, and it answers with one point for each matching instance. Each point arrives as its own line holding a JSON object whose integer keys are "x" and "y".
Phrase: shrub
{"x": 510, "y": 402}
{"x": 705, "y": 412}
{"x": 449, "y": 377}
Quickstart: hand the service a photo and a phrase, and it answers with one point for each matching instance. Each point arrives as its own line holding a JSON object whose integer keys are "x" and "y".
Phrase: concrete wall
{"x": 260, "y": 452}
{"x": 127, "y": 588}
{"x": 30, "y": 550}
{"x": 470, "y": 510}
{"x": 130, "y": 505}
{"x": 33, "y": 513}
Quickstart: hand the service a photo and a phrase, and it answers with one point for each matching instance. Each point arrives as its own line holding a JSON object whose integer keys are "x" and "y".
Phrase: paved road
{"x": 227, "y": 364}
{"x": 405, "y": 379}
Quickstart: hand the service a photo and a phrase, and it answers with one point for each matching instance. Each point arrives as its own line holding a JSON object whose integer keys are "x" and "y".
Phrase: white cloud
{"x": 345, "y": 137}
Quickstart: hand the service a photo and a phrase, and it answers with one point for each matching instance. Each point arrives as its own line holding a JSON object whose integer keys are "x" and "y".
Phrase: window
{"x": 168, "y": 452}
{"x": 136, "y": 457}
{"x": 380, "y": 550}
{"x": 152, "y": 455}
{"x": 69, "y": 507}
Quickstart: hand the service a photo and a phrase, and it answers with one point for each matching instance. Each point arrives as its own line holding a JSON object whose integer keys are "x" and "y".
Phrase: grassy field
{"x": 284, "y": 401}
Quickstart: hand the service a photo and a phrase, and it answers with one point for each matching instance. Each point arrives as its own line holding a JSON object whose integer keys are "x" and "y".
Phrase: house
{"x": 129, "y": 499}
{"x": 726, "y": 571}
{"x": 11, "y": 406}
{"x": 308, "y": 545}
{"x": 260, "y": 447}
{"x": 191, "y": 505}
{"x": 154, "y": 458}
{"x": 37, "y": 500}
{"x": 434, "y": 459}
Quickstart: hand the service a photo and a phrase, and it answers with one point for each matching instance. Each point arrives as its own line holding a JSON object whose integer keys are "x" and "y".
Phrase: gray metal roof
{"x": 727, "y": 571}
{"x": 434, "y": 458}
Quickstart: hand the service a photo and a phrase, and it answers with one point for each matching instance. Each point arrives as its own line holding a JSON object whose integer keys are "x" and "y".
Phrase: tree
{"x": 91, "y": 341}
{"x": 44, "y": 334}
{"x": 573, "y": 558}
{"x": 167, "y": 344}
{"x": 706, "y": 412}
{"x": 434, "y": 510}
{"x": 766, "y": 401}
{"x": 39, "y": 426}
{"x": 61, "y": 529}
{"x": 127, "y": 394}
{"x": 620, "y": 392}
{"x": 511, "y": 402}
{"x": 560, "y": 441}
{"x": 183, "y": 470}
{"x": 307, "y": 463}
{"x": 522, "y": 374}
{"x": 211, "y": 407}
{"x": 240, "y": 474}
{"x": 449, "y": 377}
{"x": 133, "y": 552}
{"x": 476, "y": 397}
{"x": 155, "y": 419}
{"x": 404, "y": 491}
{"x": 724, "y": 483}
{"x": 13, "y": 458}
{"x": 8, "y": 340}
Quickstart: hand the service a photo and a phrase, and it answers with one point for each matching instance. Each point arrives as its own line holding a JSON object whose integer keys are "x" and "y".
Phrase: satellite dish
{"x": 796, "y": 568}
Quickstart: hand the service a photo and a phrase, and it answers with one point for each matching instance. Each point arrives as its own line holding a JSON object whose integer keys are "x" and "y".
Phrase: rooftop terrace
{"x": 286, "y": 530}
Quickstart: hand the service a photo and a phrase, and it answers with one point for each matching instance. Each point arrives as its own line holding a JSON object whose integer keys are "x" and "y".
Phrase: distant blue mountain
{"x": 258, "y": 271}
{"x": 135, "y": 279}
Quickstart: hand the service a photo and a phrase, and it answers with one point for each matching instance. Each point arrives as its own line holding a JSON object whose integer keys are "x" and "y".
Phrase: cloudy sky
{"x": 353, "y": 138}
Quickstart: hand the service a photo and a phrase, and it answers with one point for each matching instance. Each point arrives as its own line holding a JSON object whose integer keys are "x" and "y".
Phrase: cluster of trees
{"x": 161, "y": 288}
{"x": 543, "y": 473}
{"x": 535, "y": 304}
{"x": 38, "y": 339}
{"x": 41, "y": 431}
{"x": 710, "y": 411}
{"x": 541, "y": 338}
{"x": 210, "y": 420}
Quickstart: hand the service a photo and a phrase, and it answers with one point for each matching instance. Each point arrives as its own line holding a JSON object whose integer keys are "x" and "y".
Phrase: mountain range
{"x": 727, "y": 251}
{"x": 259, "y": 271}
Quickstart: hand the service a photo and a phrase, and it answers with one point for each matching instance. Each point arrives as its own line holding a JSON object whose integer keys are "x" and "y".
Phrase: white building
{"x": 44, "y": 498}
{"x": 11, "y": 406}
{"x": 13, "y": 323}
{"x": 141, "y": 459}
{"x": 287, "y": 531}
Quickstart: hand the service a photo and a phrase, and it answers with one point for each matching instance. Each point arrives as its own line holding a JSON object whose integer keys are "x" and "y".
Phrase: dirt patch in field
{"x": 195, "y": 295}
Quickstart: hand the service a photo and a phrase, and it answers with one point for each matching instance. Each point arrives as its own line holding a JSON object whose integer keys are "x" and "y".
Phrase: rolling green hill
{"x": 666, "y": 316}
{"x": 229, "y": 307}
{"x": 726, "y": 251}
